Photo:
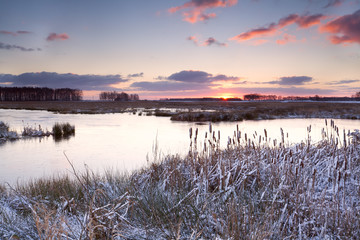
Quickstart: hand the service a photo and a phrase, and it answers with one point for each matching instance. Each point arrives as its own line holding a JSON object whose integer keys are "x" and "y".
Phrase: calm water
{"x": 122, "y": 141}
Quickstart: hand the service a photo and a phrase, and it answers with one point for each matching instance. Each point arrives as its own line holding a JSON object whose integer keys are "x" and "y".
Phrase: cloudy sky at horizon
{"x": 183, "y": 48}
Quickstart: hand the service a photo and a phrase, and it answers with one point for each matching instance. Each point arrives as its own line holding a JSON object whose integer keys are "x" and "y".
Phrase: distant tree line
{"x": 260, "y": 97}
{"x": 116, "y": 96}
{"x": 356, "y": 95}
{"x": 39, "y": 94}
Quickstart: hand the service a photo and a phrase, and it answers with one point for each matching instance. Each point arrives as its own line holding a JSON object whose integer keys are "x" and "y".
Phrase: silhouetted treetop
{"x": 116, "y": 96}
{"x": 39, "y": 94}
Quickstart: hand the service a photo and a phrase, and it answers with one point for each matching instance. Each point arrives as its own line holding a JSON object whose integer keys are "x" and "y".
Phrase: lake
{"x": 123, "y": 141}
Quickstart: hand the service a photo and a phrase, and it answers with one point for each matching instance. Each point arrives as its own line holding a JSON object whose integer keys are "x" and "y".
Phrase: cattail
{"x": 314, "y": 176}
{"x": 210, "y": 128}
{"x": 190, "y": 132}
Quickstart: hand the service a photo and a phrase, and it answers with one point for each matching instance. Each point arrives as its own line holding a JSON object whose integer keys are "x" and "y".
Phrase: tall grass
{"x": 6, "y": 134}
{"x": 63, "y": 130}
{"x": 253, "y": 189}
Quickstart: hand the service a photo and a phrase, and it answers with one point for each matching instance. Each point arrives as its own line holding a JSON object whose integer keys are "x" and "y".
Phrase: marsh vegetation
{"x": 59, "y": 131}
{"x": 63, "y": 130}
{"x": 202, "y": 111}
{"x": 255, "y": 188}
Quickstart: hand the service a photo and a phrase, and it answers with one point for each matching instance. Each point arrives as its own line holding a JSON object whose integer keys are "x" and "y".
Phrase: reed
{"x": 5, "y": 133}
{"x": 63, "y": 130}
{"x": 255, "y": 188}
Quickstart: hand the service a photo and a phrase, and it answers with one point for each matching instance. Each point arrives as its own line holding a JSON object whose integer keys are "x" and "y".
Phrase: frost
{"x": 253, "y": 189}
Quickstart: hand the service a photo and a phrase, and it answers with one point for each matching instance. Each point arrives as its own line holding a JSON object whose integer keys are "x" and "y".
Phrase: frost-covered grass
{"x": 6, "y": 134}
{"x": 35, "y": 131}
{"x": 253, "y": 189}
{"x": 60, "y": 131}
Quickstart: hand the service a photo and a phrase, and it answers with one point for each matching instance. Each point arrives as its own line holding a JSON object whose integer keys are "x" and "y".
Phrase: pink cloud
{"x": 211, "y": 41}
{"x": 287, "y": 38}
{"x": 259, "y": 32}
{"x": 195, "y": 10}
{"x": 55, "y": 36}
{"x": 208, "y": 42}
{"x": 283, "y": 22}
{"x": 258, "y": 42}
{"x": 345, "y": 29}
{"x": 309, "y": 21}
{"x": 193, "y": 39}
{"x": 8, "y": 33}
{"x": 14, "y": 33}
{"x": 334, "y": 3}
{"x": 272, "y": 29}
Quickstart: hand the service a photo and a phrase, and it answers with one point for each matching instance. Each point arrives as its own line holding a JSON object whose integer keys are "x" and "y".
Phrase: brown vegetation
{"x": 212, "y": 111}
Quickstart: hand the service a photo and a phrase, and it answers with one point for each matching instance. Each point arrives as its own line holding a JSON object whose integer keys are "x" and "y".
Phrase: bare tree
{"x": 115, "y": 96}
{"x": 39, "y": 94}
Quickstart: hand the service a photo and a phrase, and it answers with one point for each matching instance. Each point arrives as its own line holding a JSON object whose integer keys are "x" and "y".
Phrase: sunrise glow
{"x": 191, "y": 49}
{"x": 226, "y": 96}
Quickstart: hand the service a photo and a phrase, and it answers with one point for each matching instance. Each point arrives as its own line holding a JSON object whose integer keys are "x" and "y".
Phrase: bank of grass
{"x": 256, "y": 188}
{"x": 211, "y": 111}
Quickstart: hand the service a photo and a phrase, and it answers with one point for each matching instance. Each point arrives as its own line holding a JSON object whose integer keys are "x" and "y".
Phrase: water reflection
{"x": 122, "y": 141}
{"x": 59, "y": 139}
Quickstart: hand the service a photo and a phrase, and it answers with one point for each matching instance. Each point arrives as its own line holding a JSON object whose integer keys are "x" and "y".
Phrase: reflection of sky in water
{"x": 122, "y": 141}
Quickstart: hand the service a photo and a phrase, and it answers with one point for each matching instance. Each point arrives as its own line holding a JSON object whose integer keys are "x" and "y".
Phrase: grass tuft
{"x": 63, "y": 130}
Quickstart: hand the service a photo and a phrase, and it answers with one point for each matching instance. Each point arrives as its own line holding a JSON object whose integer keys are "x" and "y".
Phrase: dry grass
{"x": 253, "y": 189}
{"x": 188, "y": 111}
{"x": 63, "y": 130}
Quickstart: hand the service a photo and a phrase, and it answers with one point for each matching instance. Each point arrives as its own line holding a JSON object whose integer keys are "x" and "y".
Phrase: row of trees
{"x": 115, "y": 96}
{"x": 260, "y": 97}
{"x": 356, "y": 95}
{"x": 39, "y": 94}
{"x": 255, "y": 96}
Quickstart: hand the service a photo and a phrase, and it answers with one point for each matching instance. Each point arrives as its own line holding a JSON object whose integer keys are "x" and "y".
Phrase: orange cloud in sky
{"x": 195, "y": 10}
{"x": 258, "y": 42}
{"x": 261, "y": 32}
{"x": 287, "y": 38}
{"x": 345, "y": 29}
{"x": 308, "y": 21}
{"x": 55, "y": 36}
{"x": 272, "y": 29}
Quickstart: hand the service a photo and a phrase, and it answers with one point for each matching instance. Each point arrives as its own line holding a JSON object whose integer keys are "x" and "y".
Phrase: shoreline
{"x": 199, "y": 111}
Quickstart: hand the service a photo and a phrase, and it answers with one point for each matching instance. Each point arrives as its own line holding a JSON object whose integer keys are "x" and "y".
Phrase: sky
{"x": 183, "y": 48}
